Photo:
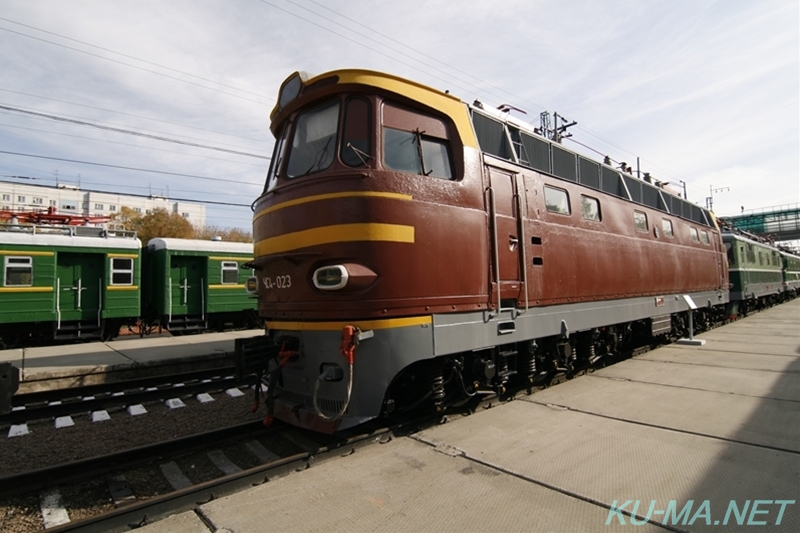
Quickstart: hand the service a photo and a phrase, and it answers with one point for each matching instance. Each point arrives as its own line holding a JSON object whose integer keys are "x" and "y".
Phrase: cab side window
{"x": 416, "y": 143}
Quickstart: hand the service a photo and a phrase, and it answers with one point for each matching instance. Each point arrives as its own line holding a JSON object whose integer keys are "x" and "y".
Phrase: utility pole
{"x": 559, "y": 132}
{"x": 710, "y": 198}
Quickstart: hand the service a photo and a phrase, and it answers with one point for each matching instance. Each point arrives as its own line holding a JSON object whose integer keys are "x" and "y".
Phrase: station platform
{"x": 89, "y": 363}
{"x": 683, "y": 438}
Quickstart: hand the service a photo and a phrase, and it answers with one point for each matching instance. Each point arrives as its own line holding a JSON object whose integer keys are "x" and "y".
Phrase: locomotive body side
{"x": 382, "y": 213}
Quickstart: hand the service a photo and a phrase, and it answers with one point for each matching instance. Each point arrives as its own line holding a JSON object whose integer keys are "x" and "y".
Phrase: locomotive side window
{"x": 557, "y": 200}
{"x": 590, "y": 208}
{"x": 18, "y": 271}
{"x": 121, "y": 271}
{"x": 640, "y": 220}
{"x": 313, "y": 142}
{"x": 731, "y": 254}
{"x": 695, "y": 236}
{"x": 666, "y": 225}
{"x": 356, "y": 149}
{"x": 415, "y": 143}
{"x": 704, "y": 237}
{"x": 230, "y": 272}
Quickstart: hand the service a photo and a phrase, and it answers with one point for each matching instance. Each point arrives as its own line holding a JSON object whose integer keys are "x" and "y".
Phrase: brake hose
{"x": 347, "y": 349}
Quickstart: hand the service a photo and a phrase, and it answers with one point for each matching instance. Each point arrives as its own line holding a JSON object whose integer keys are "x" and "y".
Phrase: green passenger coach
{"x": 194, "y": 285}
{"x": 66, "y": 282}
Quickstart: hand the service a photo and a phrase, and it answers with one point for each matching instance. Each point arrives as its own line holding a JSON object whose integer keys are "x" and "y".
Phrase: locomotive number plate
{"x": 278, "y": 282}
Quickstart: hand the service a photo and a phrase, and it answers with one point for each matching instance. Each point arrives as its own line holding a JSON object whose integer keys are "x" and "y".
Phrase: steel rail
{"x": 23, "y": 482}
{"x": 117, "y": 386}
{"x": 130, "y": 398}
{"x": 141, "y": 513}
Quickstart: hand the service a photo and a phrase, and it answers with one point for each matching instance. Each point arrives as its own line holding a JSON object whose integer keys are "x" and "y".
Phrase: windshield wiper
{"x": 361, "y": 155}
{"x": 418, "y": 137}
{"x": 318, "y": 158}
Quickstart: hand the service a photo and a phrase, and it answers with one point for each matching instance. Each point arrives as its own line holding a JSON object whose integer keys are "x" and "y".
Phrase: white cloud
{"x": 706, "y": 92}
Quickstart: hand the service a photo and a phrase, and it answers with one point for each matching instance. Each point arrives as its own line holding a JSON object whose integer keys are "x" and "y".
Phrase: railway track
{"x": 133, "y": 487}
{"x": 242, "y": 456}
{"x": 93, "y": 398}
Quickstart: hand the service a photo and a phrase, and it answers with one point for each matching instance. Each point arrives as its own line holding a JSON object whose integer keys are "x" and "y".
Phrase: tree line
{"x": 161, "y": 223}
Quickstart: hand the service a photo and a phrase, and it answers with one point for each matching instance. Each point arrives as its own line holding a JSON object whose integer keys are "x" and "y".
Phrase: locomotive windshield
{"x": 309, "y": 142}
{"x": 313, "y": 143}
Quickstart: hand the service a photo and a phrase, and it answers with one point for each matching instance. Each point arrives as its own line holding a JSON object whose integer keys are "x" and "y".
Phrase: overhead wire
{"x": 131, "y": 115}
{"x": 150, "y": 188}
{"x": 164, "y": 172}
{"x": 212, "y": 81}
{"x": 128, "y": 132}
{"x": 420, "y": 52}
{"x": 131, "y": 145}
{"x": 134, "y": 66}
{"x": 523, "y": 99}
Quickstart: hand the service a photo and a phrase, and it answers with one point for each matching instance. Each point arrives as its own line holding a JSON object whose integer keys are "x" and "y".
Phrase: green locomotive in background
{"x": 760, "y": 274}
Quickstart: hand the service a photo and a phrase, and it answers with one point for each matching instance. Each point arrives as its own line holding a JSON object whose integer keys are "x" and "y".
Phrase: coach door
{"x": 79, "y": 281}
{"x": 187, "y": 286}
{"x": 507, "y": 236}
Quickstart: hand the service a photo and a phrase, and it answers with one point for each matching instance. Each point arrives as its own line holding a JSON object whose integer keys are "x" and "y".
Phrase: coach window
{"x": 704, "y": 237}
{"x": 415, "y": 143}
{"x": 590, "y": 208}
{"x": 640, "y": 220}
{"x": 121, "y": 271}
{"x": 230, "y": 272}
{"x": 556, "y": 200}
{"x": 18, "y": 271}
{"x": 695, "y": 236}
{"x": 313, "y": 143}
{"x": 666, "y": 225}
{"x": 356, "y": 149}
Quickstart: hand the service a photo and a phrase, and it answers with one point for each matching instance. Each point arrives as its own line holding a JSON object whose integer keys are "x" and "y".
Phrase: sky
{"x": 173, "y": 97}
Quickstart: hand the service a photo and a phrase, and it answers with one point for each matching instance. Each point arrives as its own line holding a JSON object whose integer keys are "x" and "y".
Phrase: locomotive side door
{"x": 506, "y": 233}
{"x": 187, "y": 285}
{"x": 79, "y": 279}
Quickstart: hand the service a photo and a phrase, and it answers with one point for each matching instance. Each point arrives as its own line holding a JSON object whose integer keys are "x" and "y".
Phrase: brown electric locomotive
{"x": 413, "y": 250}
